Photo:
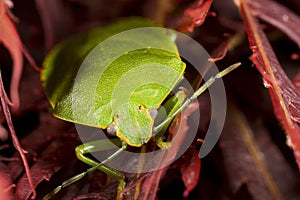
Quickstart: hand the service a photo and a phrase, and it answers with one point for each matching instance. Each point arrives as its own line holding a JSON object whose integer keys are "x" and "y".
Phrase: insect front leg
{"x": 94, "y": 146}
{"x": 171, "y": 106}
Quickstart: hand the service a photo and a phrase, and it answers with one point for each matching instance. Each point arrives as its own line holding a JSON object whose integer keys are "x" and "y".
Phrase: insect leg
{"x": 172, "y": 105}
{"x": 89, "y": 148}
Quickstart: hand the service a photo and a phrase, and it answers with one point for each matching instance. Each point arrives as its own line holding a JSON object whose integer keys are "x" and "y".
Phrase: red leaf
{"x": 284, "y": 95}
{"x": 190, "y": 170}
{"x": 253, "y": 160}
{"x": 51, "y": 128}
{"x": 231, "y": 42}
{"x": 51, "y": 161}
{"x": 36, "y": 143}
{"x": 279, "y": 16}
{"x": 220, "y": 52}
{"x": 296, "y": 80}
{"x": 195, "y": 15}
{"x": 11, "y": 40}
{"x": 6, "y": 186}
{"x": 151, "y": 184}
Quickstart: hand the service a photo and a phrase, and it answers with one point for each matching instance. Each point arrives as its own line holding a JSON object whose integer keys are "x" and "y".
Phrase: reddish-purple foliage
{"x": 284, "y": 95}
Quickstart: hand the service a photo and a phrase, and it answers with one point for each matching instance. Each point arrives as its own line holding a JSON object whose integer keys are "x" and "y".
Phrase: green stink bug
{"x": 108, "y": 109}
{"x": 117, "y": 90}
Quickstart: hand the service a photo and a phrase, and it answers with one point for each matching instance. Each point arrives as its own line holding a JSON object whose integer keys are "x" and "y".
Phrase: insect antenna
{"x": 196, "y": 94}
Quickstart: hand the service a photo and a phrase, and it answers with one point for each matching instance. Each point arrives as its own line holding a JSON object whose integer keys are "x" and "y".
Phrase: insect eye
{"x": 112, "y": 129}
{"x": 153, "y": 113}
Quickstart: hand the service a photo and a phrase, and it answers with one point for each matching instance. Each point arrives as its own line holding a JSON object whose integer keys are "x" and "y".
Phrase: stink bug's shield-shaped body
{"x": 120, "y": 80}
